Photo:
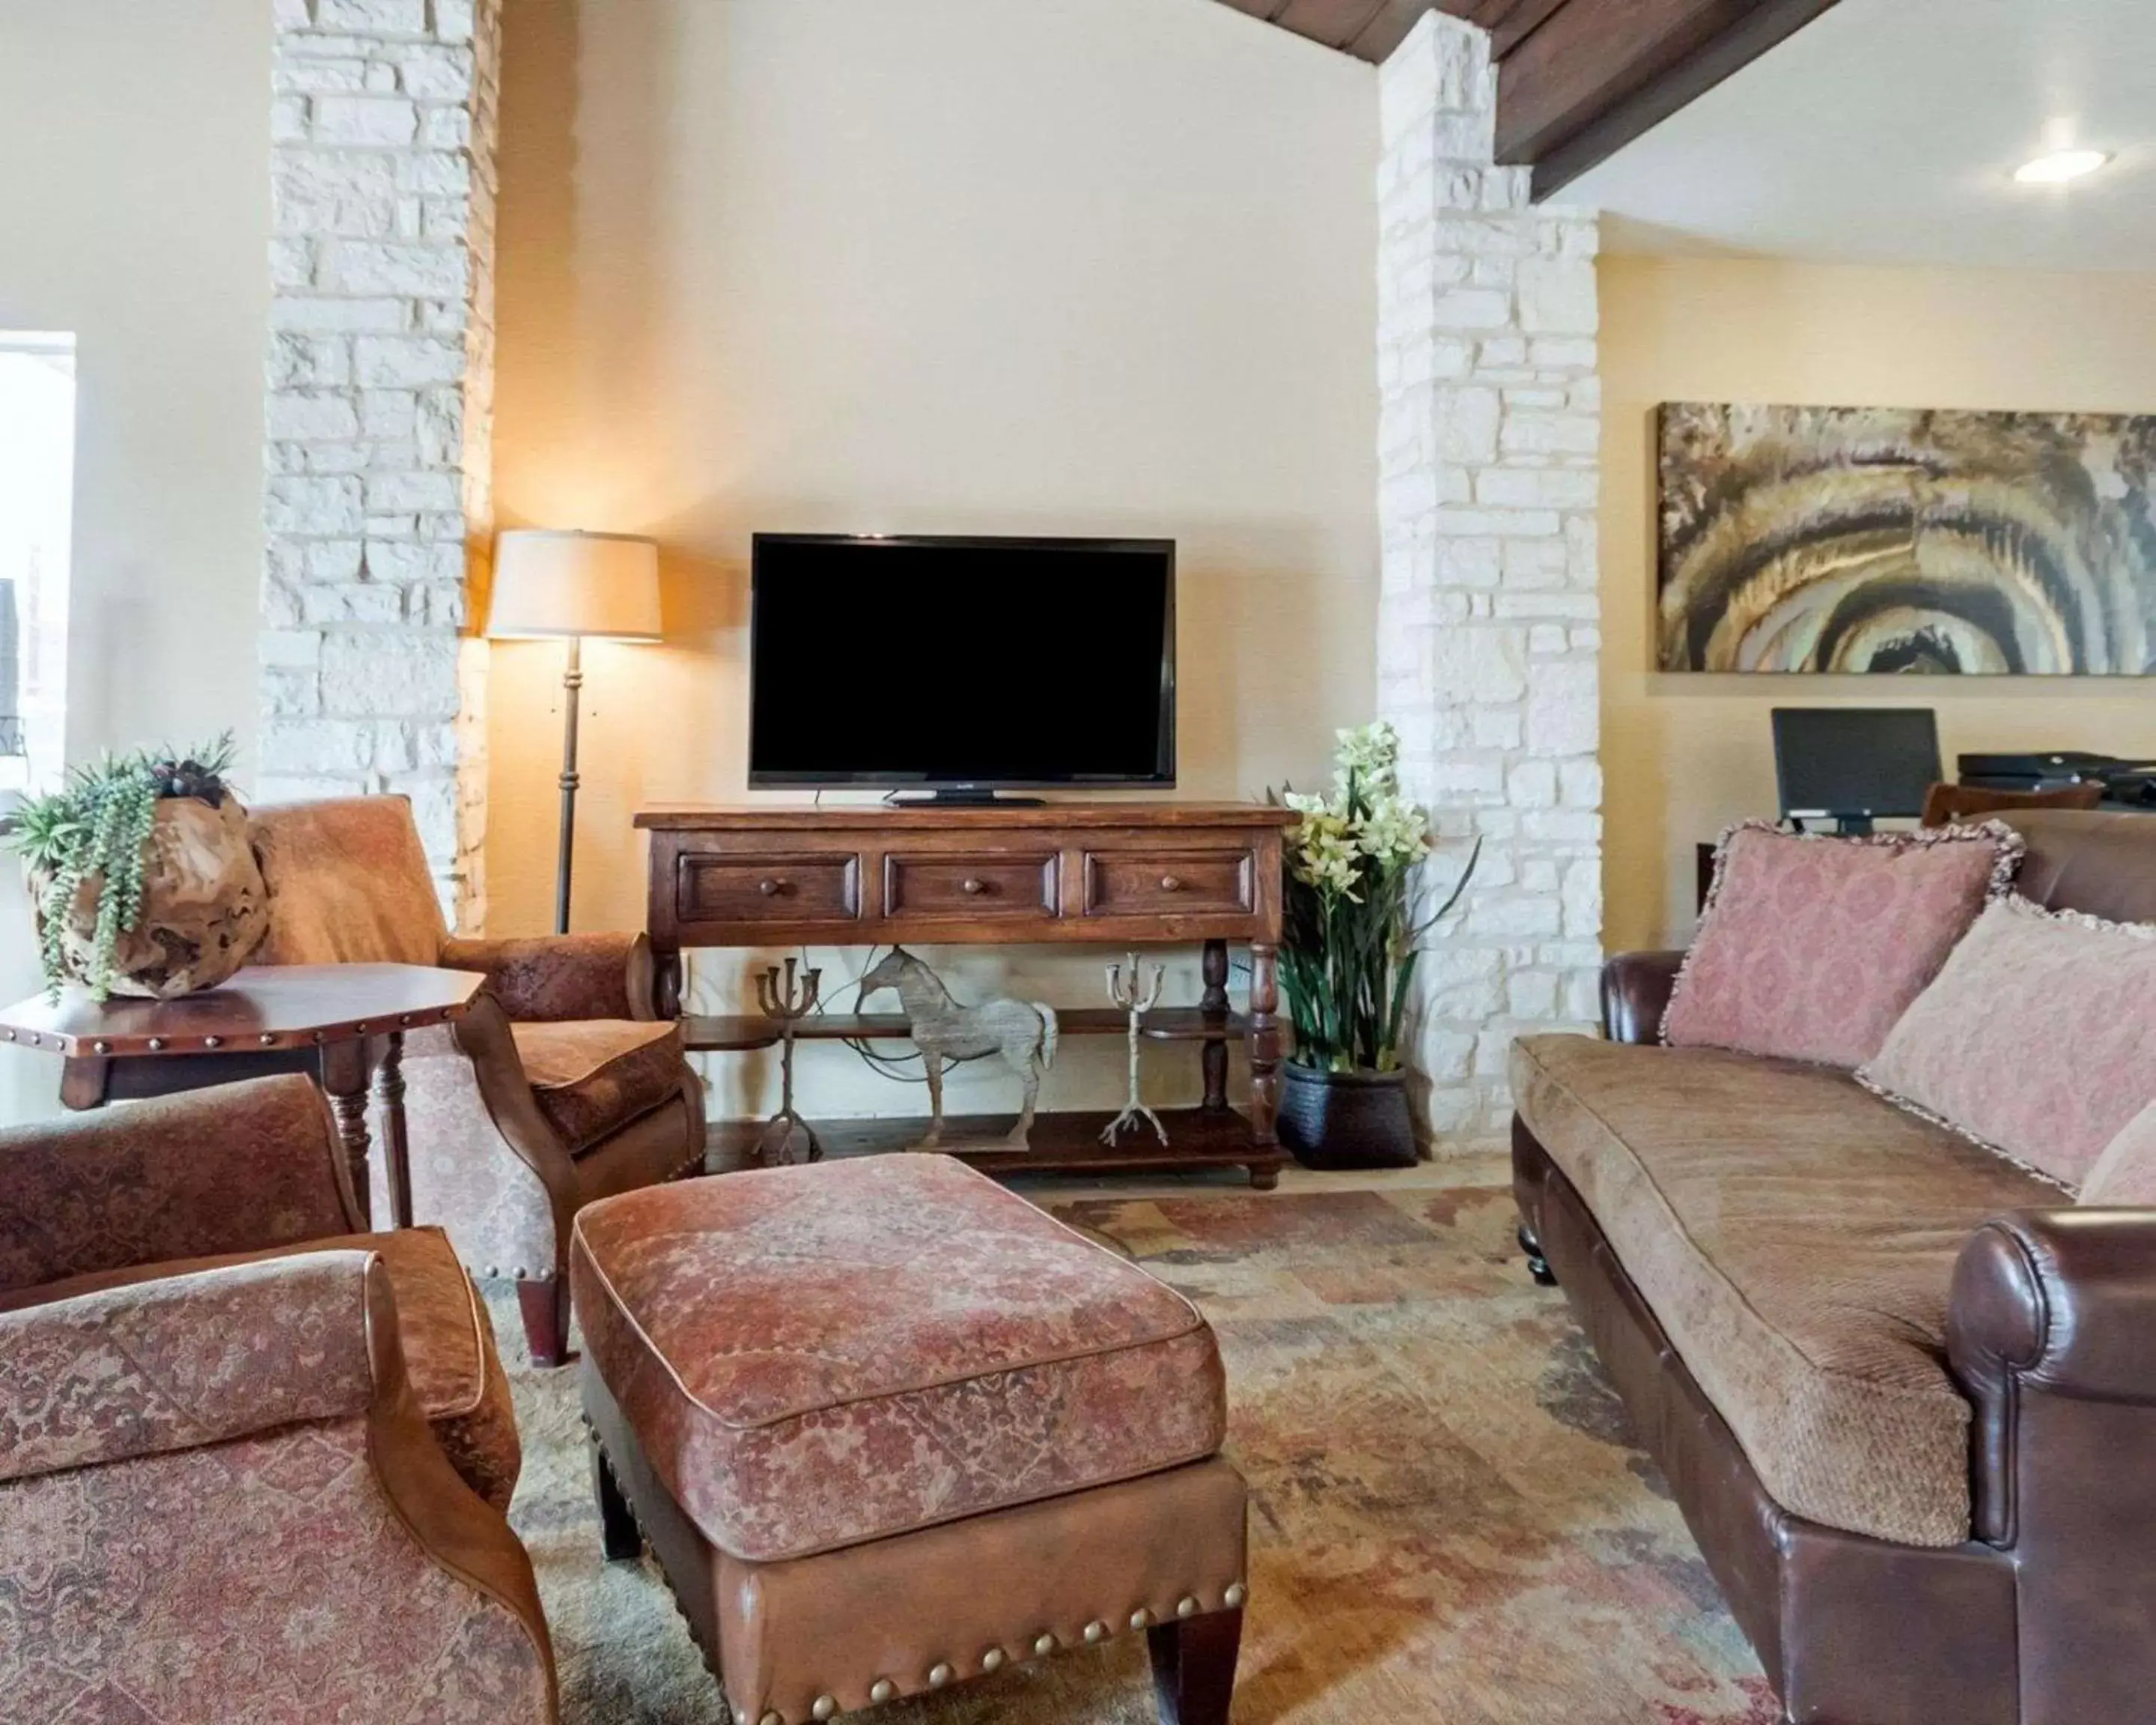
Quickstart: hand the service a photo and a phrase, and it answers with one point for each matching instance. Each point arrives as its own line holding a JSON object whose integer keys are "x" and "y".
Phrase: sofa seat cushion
{"x": 1795, "y": 1237}
{"x": 442, "y": 1325}
{"x": 591, "y": 1077}
{"x": 816, "y": 1357}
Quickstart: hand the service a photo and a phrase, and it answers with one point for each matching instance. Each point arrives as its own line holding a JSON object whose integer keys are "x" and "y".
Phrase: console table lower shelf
{"x": 1065, "y": 1142}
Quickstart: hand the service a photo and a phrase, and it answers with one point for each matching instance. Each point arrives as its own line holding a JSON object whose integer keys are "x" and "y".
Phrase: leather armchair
{"x": 204, "y": 1459}
{"x": 564, "y": 1084}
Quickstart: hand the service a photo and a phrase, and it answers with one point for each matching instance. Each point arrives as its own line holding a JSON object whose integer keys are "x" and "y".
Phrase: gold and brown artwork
{"x": 1879, "y": 539}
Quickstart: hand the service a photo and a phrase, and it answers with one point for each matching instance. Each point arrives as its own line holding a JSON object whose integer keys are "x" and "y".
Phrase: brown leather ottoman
{"x": 886, "y": 1426}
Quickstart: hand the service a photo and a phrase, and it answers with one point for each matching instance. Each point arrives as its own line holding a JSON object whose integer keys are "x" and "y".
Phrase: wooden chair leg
{"x": 546, "y": 1308}
{"x": 1194, "y": 1667}
{"x": 619, "y": 1536}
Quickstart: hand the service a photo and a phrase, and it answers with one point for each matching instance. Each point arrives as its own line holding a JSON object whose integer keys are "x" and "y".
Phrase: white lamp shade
{"x": 600, "y": 584}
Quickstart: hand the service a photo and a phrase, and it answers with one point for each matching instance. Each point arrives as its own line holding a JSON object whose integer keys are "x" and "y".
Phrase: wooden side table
{"x": 341, "y": 1025}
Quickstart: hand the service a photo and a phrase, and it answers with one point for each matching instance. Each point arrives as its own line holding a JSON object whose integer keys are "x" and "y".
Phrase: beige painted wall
{"x": 1072, "y": 266}
{"x": 1686, "y": 755}
{"x": 134, "y": 211}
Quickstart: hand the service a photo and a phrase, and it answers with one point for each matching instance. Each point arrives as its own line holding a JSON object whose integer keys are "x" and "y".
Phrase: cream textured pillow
{"x": 2126, "y": 1172}
{"x": 2038, "y": 1039}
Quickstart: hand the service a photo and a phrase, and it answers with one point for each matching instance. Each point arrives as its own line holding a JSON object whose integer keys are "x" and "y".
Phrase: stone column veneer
{"x": 1489, "y": 619}
{"x": 379, "y": 499}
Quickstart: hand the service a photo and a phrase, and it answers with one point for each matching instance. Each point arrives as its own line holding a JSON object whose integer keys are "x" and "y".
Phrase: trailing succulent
{"x": 97, "y": 828}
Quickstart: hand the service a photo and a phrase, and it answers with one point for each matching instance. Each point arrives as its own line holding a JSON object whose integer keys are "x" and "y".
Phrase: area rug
{"x": 1449, "y": 1521}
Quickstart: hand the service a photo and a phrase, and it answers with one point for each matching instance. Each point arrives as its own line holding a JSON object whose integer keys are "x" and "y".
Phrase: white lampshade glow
{"x": 600, "y": 586}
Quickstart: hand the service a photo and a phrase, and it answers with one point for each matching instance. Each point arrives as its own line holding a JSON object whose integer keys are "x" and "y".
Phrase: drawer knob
{"x": 972, "y": 888}
{"x": 770, "y": 888}
{"x": 1171, "y": 883}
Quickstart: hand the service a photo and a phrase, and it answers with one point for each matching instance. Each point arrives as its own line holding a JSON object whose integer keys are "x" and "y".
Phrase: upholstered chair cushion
{"x": 447, "y": 1338}
{"x": 2038, "y": 1039}
{"x": 1811, "y": 947}
{"x": 816, "y": 1357}
{"x": 594, "y": 1077}
{"x": 2126, "y": 1172}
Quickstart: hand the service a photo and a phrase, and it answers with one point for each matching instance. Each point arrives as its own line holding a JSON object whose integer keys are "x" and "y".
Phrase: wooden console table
{"x": 1115, "y": 873}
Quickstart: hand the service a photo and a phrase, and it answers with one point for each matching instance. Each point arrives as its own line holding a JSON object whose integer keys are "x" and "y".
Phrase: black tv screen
{"x": 962, "y": 662}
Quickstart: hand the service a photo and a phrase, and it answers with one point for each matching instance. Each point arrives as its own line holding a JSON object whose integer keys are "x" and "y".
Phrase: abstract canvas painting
{"x": 1878, "y": 540}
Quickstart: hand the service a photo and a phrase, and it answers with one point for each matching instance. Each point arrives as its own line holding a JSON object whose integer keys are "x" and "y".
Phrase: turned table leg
{"x": 1215, "y": 1000}
{"x": 396, "y": 1140}
{"x": 344, "y": 1081}
{"x": 1264, "y": 1044}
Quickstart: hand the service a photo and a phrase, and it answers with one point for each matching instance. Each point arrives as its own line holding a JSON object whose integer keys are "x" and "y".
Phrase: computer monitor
{"x": 1854, "y": 765}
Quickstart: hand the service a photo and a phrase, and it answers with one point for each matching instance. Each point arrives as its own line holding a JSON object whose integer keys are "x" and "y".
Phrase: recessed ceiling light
{"x": 2060, "y": 165}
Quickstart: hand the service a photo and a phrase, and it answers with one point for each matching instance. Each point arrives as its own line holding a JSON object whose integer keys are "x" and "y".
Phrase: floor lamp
{"x": 577, "y": 586}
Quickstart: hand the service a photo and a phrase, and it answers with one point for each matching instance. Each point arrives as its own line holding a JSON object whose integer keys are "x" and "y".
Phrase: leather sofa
{"x": 1904, "y": 1393}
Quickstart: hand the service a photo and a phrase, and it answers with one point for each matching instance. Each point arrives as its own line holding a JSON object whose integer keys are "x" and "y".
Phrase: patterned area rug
{"x": 1449, "y": 1521}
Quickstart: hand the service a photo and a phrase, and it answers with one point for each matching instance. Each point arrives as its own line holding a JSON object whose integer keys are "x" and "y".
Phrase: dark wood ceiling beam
{"x": 1597, "y": 74}
{"x": 1578, "y": 79}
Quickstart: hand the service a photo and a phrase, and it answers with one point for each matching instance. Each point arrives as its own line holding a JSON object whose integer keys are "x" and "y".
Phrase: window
{"x": 37, "y": 503}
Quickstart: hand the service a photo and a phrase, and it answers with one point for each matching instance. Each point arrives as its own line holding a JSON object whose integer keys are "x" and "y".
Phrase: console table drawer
{"x": 1166, "y": 883}
{"x": 770, "y": 889}
{"x": 944, "y": 884}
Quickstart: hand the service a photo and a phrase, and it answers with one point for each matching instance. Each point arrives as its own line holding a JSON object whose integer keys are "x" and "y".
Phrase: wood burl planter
{"x": 205, "y": 908}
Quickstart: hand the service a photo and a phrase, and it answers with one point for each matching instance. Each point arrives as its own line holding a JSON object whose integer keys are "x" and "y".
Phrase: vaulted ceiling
{"x": 1578, "y": 79}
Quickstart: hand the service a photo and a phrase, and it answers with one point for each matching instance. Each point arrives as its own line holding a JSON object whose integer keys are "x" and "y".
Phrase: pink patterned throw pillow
{"x": 2126, "y": 1172}
{"x": 1811, "y": 947}
{"x": 2038, "y": 1040}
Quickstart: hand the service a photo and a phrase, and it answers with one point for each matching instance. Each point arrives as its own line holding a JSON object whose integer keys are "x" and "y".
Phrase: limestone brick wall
{"x": 1489, "y": 622}
{"x": 378, "y": 497}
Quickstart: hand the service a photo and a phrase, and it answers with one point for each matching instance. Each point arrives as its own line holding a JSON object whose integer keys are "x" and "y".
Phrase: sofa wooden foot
{"x": 619, "y": 1536}
{"x": 1194, "y": 1667}
{"x": 545, "y": 1306}
{"x": 1537, "y": 1265}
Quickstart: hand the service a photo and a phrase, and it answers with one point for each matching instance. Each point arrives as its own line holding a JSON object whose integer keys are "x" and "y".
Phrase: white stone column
{"x": 379, "y": 499}
{"x": 1489, "y": 621}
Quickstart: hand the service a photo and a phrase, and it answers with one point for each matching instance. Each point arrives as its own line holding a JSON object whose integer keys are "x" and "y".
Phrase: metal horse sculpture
{"x": 1024, "y": 1033}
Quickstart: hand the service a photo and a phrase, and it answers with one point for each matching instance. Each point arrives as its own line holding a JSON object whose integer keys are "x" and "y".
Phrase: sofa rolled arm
{"x": 150, "y": 1368}
{"x": 561, "y": 978}
{"x": 243, "y": 1168}
{"x": 1636, "y": 992}
{"x": 2052, "y": 1303}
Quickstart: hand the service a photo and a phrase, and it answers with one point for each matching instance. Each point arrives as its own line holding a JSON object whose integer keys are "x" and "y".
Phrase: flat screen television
{"x": 964, "y": 666}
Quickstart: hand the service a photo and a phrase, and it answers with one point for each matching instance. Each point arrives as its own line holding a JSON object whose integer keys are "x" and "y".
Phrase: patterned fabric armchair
{"x": 562, "y": 1084}
{"x": 219, "y": 1495}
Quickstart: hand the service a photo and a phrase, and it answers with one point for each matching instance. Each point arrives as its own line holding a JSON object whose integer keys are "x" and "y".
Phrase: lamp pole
{"x": 572, "y": 690}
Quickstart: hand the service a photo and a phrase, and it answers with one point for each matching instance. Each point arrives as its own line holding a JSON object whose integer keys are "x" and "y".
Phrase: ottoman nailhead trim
{"x": 1186, "y": 1606}
{"x": 1095, "y": 1633}
{"x": 993, "y": 1660}
{"x": 1140, "y": 1618}
{"x": 1045, "y": 1644}
{"x": 882, "y": 1689}
{"x": 939, "y": 1674}
{"x": 1235, "y": 1595}
{"x": 773, "y": 1719}
{"x": 825, "y": 1707}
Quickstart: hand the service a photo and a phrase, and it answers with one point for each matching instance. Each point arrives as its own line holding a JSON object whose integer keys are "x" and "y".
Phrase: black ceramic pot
{"x": 1347, "y": 1119}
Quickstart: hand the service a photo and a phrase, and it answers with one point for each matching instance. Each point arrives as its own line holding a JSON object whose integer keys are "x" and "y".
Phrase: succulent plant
{"x": 97, "y": 827}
